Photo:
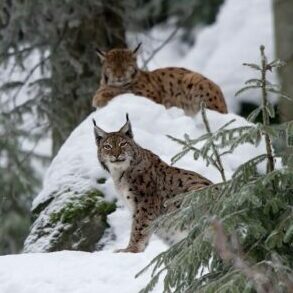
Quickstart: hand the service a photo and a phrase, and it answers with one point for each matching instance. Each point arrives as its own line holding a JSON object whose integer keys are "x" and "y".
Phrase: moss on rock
{"x": 70, "y": 220}
{"x": 89, "y": 204}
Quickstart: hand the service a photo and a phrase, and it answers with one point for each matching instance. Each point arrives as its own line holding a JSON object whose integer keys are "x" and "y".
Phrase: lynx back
{"x": 170, "y": 86}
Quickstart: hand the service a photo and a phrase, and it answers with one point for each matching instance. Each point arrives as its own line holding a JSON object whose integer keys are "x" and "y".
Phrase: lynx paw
{"x": 100, "y": 101}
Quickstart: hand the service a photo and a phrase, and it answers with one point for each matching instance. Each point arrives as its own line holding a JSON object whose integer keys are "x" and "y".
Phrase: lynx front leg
{"x": 140, "y": 231}
{"x": 106, "y": 94}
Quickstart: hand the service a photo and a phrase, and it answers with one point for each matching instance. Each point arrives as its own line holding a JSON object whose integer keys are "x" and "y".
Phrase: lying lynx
{"x": 170, "y": 86}
{"x": 143, "y": 180}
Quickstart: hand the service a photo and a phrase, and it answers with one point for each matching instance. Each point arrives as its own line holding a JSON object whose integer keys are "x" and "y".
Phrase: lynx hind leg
{"x": 198, "y": 89}
{"x": 140, "y": 231}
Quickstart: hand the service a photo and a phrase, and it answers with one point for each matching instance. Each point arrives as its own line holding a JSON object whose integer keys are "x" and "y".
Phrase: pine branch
{"x": 261, "y": 282}
{"x": 218, "y": 161}
{"x": 265, "y": 114}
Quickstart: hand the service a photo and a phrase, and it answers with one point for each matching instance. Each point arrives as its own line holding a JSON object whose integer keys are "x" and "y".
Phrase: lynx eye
{"x": 123, "y": 144}
{"x": 107, "y": 146}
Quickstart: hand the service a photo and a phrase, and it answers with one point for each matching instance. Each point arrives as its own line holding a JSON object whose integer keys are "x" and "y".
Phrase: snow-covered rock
{"x": 75, "y": 170}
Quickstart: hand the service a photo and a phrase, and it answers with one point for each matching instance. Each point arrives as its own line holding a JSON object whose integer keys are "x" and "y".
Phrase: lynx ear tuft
{"x": 126, "y": 128}
{"x": 101, "y": 54}
{"x": 99, "y": 132}
{"x": 135, "y": 51}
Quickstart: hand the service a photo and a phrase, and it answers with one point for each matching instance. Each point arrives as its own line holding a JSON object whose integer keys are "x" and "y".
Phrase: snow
{"x": 75, "y": 272}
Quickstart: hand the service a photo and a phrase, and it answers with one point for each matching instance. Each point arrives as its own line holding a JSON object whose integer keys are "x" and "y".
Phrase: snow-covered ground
{"x": 76, "y": 272}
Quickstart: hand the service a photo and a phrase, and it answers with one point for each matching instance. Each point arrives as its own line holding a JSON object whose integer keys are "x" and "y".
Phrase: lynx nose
{"x": 121, "y": 157}
{"x": 117, "y": 157}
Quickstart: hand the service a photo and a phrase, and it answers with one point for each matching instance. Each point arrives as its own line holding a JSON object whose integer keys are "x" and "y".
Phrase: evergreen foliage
{"x": 241, "y": 230}
{"x": 18, "y": 178}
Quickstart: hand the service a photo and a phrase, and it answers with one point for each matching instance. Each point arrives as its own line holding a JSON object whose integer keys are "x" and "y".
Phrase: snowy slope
{"x": 75, "y": 272}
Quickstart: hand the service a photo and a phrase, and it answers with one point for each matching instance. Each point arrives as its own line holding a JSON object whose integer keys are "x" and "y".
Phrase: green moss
{"x": 89, "y": 204}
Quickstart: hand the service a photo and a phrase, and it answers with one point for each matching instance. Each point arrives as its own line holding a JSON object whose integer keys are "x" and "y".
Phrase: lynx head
{"x": 116, "y": 150}
{"x": 119, "y": 66}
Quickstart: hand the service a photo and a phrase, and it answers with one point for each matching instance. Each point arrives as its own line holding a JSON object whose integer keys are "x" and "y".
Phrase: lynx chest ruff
{"x": 122, "y": 188}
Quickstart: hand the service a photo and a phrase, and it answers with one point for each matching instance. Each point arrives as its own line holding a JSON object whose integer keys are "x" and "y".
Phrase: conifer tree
{"x": 240, "y": 230}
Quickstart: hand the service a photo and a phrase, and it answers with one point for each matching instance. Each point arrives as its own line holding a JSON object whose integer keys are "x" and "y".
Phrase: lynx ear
{"x": 99, "y": 132}
{"x": 101, "y": 54}
{"x": 126, "y": 128}
{"x": 135, "y": 51}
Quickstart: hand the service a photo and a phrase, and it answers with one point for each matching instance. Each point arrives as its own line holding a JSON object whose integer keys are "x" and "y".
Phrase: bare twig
{"x": 22, "y": 51}
{"x": 161, "y": 46}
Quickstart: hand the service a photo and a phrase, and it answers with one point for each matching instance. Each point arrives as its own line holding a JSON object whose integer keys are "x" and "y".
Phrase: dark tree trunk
{"x": 76, "y": 69}
{"x": 283, "y": 11}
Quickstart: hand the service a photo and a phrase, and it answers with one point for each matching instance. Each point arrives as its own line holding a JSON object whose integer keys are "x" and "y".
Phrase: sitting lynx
{"x": 170, "y": 86}
{"x": 143, "y": 180}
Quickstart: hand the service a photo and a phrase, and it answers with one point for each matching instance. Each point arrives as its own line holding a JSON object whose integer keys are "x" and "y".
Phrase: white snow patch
{"x": 76, "y": 272}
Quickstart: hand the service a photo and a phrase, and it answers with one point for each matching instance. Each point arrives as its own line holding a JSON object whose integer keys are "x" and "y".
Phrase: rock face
{"x": 75, "y": 224}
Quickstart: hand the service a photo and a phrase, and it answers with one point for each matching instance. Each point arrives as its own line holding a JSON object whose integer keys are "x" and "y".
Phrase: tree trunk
{"x": 283, "y": 11}
{"x": 76, "y": 69}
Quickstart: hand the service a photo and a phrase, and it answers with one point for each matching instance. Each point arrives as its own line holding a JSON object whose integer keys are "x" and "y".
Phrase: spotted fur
{"x": 169, "y": 86}
{"x": 143, "y": 181}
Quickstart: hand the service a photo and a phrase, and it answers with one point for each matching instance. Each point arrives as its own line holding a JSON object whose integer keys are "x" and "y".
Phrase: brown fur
{"x": 169, "y": 86}
{"x": 143, "y": 180}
